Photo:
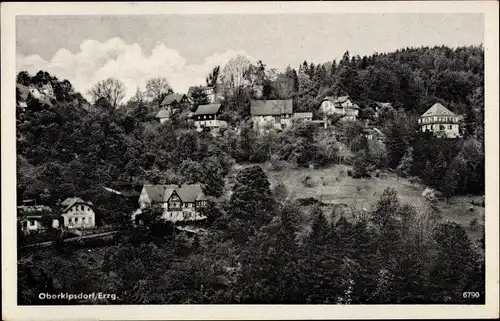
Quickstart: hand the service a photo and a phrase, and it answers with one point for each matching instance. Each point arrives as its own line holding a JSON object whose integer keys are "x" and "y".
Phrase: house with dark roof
{"x": 342, "y": 105}
{"x": 208, "y": 116}
{"x": 170, "y": 104}
{"x": 179, "y": 202}
{"x": 34, "y": 218}
{"x": 267, "y": 114}
{"x": 77, "y": 213}
{"x": 440, "y": 121}
{"x": 174, "y": 100}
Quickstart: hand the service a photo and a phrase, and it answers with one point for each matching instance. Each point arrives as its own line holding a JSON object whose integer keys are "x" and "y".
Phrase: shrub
{"x": 307, "y": 181}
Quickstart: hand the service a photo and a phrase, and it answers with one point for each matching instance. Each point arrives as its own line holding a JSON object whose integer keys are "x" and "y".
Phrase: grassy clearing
{"x": 332, "y": 185}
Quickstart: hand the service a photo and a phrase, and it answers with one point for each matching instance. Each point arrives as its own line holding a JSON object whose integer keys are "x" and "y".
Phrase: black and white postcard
{"x": 249, "y": 160}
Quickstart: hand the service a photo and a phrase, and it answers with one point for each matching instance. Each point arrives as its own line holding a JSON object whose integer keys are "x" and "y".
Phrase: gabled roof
{"x": 163, "y": 113}
{"x": 438, "y": 110}
{"x": 156, "y": 192}
{"x": 171, "y": 99}
{"x": 188, "y": 193}
{"x": 209, "y": 109}
{"x": 271, "y": 107}
{"x": 71, "y": 201}
{"x": 35, "y": 210}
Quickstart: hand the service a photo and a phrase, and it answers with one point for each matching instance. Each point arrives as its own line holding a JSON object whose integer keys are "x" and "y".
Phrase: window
{"x": 70, "y": 220}
{"x": 32, "y": 223}
{"x": 83, "y": 220}
{"x": 90, "y": 220}
{"x": 76, "y": 220}
{"x": 449, "y": 126}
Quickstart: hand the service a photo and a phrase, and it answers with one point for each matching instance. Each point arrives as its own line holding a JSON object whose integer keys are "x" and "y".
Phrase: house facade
{"x": 77, "y": 213}
{"x": 179, "y": 202}
{"x": 33, "y": 219}
{"x": 440, "y": 121}
{"x": 267, "y": 114}
{"x": 342, "y": 105}
{"x": 208, "y": 116}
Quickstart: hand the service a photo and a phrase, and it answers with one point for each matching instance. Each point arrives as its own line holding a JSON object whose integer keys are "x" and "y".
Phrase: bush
{"x": 306, "y": 181}
{"x": 307, "y": 201}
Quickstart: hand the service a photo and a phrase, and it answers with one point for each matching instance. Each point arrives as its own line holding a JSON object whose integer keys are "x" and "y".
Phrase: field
{"x": 333, "y": 186}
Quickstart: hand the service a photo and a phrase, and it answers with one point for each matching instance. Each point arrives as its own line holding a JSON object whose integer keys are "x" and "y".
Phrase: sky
{"x": 185, "y": 48}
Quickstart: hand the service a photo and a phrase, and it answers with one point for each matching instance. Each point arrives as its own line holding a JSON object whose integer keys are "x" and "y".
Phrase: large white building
{"x": 77, "y": 213}
{"x": 440, "y": 121}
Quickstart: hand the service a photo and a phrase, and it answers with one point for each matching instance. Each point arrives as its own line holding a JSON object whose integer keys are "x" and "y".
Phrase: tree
{"x": 157, "y": 88}
{"x": 199, "y": 97}
{"x": 234, "y": 74}
{"x": 406, "y": 163}
{"x": 251, "y": 197}
{"x": 23, "y": 78}
{"x": 111, "y": 89}
{"x": 139, "y": 96}
{"x": 360, "y": 164}
{"x": 213, "y": 78}
{"x": 454, "y": 262}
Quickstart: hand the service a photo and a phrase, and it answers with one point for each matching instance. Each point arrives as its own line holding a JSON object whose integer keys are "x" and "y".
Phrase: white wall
{"x": 79, "y": 216}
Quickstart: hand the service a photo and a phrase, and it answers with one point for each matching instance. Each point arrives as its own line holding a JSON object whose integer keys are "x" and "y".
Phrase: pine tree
{"x": 454, "y": 262}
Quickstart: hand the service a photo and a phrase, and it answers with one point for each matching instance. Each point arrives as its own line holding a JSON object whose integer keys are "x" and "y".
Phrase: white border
{"x": 223, "y": 312}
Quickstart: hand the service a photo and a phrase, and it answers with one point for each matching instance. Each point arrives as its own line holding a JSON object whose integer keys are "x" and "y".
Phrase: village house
{"x": 342, "y": 105}
{"x": 440, "y": 121}
{"x": 179, "y": 202}
{"x": 169, "y": 105}
{"x": 208, "y": 117}
{"x": 77, "y": 213}
{"x": 35, "y": 218}
{"x": 275, "y": 114}
{"x": 174, "y": 100}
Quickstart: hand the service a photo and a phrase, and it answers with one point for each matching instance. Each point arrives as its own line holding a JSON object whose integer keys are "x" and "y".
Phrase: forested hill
{"x": 410, "y": 78}
{"x": 69, "y": 147}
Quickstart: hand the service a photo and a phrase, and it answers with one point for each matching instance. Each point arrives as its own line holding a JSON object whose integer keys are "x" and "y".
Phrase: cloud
{"x": 96, "y": 61}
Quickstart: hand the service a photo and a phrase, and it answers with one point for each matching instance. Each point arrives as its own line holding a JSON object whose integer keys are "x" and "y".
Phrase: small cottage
{"x": 36, "y": 218}
{"x": 174, "y": 101}
{"x": 208, "y": 117}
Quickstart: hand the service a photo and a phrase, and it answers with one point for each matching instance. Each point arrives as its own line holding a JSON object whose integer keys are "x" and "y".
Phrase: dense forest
{"x": 255, "y": 251}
